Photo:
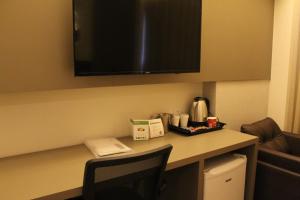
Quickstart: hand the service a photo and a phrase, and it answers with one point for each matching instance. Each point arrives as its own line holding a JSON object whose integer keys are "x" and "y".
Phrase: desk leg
{"x": 200, "y": 180}
{"x": 251, "y": 153}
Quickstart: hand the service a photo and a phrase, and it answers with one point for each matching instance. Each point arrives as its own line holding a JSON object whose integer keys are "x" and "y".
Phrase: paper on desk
{"x": 106, "y": 146}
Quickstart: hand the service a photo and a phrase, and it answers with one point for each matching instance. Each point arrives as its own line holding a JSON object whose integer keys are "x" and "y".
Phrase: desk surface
{"x": 59, "y": 172}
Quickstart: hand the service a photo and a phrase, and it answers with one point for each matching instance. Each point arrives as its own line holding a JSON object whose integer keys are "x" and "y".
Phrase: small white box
{"x": 156, "y": 128}
{"x": 140, "y": 129}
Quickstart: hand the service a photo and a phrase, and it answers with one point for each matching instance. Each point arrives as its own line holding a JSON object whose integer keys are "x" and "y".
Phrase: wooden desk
{"x": 58, "y": 174}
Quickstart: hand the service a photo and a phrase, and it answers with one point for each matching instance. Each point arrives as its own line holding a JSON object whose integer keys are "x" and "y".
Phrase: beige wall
{"x": 236, "y": 39}
{"x": 238, "y": 102}
{"x": 50, "y": 119}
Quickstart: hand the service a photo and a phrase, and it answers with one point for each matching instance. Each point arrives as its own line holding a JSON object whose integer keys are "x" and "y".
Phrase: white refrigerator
{"x": 224, "y": 177}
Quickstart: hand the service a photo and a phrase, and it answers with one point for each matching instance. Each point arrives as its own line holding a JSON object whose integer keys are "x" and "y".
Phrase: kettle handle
{"x": 207, "y": 105}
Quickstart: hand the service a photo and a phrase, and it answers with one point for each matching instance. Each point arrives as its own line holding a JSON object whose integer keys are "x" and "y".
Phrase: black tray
{"x": 187, "y": 132}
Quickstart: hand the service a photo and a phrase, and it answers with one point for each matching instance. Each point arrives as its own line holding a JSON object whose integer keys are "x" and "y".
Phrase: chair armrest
{"x": 279, "y": 169}
{"x": 279, "y": 159}
{"x": 293, "y": 141}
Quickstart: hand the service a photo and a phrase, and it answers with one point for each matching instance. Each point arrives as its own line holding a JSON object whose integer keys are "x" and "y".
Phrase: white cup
{"x": 175, "y": 120}
{"x": 184, "y": 118}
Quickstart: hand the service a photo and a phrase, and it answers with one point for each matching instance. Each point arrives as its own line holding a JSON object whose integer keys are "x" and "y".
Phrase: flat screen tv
{"x": 136, "y": 36}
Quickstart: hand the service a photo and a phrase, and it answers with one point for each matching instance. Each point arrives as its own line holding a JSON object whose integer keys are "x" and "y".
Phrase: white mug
{"x": 184, "y": 118}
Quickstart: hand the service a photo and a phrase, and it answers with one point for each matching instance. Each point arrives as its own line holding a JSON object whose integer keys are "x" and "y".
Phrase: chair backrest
{"x": 265, "y": 129}
{"x": 130, "y": 171}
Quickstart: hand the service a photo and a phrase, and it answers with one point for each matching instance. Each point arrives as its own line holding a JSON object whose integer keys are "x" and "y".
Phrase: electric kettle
{"x": 199, "y": 109}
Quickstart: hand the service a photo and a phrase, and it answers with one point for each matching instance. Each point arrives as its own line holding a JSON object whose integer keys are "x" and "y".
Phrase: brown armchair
{"x": 278, "y": 165}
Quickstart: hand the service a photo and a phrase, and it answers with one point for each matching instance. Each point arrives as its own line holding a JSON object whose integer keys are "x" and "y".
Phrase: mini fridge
{"x": 224, "y": 177}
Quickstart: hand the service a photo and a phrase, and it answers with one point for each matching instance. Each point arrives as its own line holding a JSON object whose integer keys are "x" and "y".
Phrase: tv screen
{"x": 136, "y": 36}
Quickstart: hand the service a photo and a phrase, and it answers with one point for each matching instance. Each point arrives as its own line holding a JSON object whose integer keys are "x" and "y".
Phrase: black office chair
{"x": 132, "y": 177}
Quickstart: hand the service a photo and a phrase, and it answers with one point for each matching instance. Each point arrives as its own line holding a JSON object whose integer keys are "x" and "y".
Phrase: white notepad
{"x": 106, "y": 146}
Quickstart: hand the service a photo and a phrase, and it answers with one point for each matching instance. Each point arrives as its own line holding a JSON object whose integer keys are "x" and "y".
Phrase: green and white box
{"x": 140, "y": 129}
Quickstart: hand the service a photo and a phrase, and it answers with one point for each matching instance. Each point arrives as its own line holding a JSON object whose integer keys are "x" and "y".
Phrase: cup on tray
{"x": 175, "y": 118}
{"x": 212, "y": 122}
{"x": 184, "y": 118}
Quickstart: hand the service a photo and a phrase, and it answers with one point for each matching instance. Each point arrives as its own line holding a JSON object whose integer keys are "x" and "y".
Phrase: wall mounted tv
{"x": 136, "y": 36}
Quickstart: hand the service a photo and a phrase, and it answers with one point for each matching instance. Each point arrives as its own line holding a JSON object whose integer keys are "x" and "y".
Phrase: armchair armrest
{"x": 280, "y": 170}
{"x": 279, "y": 159}
{"x": 293, "y": 141}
